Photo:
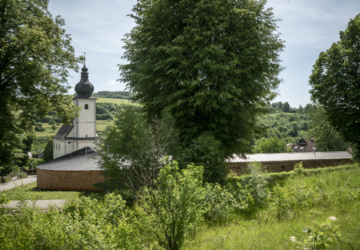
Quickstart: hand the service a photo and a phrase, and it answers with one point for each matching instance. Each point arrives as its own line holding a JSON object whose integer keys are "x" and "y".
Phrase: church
{"x": 81, "y": 133}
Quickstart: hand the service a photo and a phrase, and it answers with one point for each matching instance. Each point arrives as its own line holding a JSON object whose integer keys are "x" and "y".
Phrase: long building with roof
{"x": 80, "y": 169}
{"x": 278, "y": 162}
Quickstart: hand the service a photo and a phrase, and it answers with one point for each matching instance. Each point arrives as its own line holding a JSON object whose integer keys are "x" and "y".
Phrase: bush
{"x": 206, "y": 151}
{"x": 48, "y": 150}
{"x": 39, "y": 129}
{"x": 22, "y": 176}
{"x": 172, "y": 207}
{"x": 220, "y": 204}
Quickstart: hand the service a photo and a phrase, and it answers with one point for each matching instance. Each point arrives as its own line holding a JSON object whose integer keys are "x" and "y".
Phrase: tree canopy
{"x": 335, "y": 80}
{"x": 212, "y": 64}
{"x": 35, "y": 54}
{"x": 271, "y": 145}
{"x": 326, "y": 136}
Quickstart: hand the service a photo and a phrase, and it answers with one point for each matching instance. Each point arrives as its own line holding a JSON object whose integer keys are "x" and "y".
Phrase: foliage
{"x": 271, "y": 145}
{"x": 251, "y": 194}
{"x": 326, "y": 137}
{"x": 49, "y": 150}
{"x": 335, "y": 83}
{"x": 285, "y": 126}
{"x": 7, "y": 169}
{"x": 212, "y": 64}
{"x": 220, "y": 204}
{"x": 321, "y": 236}
{"x": 173, "y": 205}
{"x": 35, "y": 57}
{"x": 135, "y": 152}
{"x": 3, "y": 200}
{"x": 206, "y": 151}
{"x": 103, "y": 221}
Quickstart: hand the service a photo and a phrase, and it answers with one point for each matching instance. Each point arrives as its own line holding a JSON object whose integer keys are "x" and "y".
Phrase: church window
{"x": 86, "y": 106}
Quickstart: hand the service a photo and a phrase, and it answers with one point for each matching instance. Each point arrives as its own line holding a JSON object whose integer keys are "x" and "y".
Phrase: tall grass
{"x": 311, "y": 200}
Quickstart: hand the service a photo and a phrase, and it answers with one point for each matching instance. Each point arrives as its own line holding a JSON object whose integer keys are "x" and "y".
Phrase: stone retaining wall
{"x": 69, "y": 180}
{"x": 279, "y": 166}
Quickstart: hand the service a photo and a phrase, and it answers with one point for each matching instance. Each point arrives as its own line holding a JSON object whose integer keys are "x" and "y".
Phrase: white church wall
{"x": 59, "y": 148}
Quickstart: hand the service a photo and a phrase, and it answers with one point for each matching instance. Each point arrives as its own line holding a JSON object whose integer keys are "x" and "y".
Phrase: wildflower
{"x": 333, "y": 218}
{"x": 293, "y": 238}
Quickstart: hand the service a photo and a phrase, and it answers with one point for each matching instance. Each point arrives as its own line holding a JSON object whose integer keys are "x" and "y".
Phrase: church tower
{"x": 82, "y": 132}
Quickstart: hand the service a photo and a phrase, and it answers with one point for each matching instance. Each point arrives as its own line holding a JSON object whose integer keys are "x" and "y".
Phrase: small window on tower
{"x": 86, "y": 106}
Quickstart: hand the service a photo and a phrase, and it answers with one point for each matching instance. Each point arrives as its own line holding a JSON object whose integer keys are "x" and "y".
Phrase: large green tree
{"x": 325, "y": 135}
{"x": 335, "y": 80}
{"x": 212, "y": 64}
{"x": 35, "y": 54}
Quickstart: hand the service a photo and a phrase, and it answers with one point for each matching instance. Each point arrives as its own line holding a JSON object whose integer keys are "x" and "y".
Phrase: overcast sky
{"x": 307, "y": 27}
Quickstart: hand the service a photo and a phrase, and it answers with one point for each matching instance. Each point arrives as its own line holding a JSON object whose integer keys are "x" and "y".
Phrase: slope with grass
{"x": 295, "y": 204}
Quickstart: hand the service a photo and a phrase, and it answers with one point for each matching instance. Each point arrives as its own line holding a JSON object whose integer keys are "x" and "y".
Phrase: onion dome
{"x": 84, "y": 88}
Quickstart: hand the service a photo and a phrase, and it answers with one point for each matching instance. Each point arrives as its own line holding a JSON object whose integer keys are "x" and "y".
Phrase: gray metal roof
{"x": 63, "y": 131}
{"x": 77, "y": 163}
{"x": 84, "y": 159}
{"x": 292, "y": 156}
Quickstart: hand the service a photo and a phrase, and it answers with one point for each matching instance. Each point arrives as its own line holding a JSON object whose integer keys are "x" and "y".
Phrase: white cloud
{"x": 112, "y": 82}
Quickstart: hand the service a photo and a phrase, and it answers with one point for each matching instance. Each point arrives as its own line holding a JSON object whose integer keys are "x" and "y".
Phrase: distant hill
{"x": 113, "y": 94}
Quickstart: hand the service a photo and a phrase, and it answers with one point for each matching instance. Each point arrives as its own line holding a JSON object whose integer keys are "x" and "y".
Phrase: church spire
{"x": 84, "y": 88}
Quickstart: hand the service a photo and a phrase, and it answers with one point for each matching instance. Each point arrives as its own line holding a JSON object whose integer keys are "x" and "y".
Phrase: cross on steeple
{"x": 84, "y": 59}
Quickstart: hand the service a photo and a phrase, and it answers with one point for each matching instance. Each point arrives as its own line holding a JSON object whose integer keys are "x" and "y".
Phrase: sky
{"x": 307, "y": 27}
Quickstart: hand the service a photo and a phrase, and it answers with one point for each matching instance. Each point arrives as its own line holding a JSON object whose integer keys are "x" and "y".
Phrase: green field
{"x": 115, "y": 101}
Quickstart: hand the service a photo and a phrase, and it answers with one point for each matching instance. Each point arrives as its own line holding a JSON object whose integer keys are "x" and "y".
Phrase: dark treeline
{"x": 285, "y": 107}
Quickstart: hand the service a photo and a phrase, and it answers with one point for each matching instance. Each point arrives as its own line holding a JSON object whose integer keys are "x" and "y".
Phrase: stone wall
{"x": 69, "y": 180}
{"x": 279, "y": 166}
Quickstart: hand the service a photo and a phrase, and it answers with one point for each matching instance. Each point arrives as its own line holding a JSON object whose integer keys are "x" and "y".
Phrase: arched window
{"x": 86, "y": 106}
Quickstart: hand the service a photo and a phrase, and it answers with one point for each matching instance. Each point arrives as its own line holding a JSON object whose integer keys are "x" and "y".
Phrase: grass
{"x": 30, "y": 192}
{"x": 102, "y": 124}
{"x": 115, "y": 101}
{"x": 335, "y": 194}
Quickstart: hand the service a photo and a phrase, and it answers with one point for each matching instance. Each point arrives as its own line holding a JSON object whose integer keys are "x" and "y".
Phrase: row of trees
{"x": 114, "y": 94}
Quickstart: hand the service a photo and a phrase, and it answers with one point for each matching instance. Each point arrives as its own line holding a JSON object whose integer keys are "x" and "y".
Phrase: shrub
{"x": 206, "y": 151}
{"x": 48, "y": 150}
{"x": 172, "y": 207}
{"x": 219, "y": 203}
{"x": 39, "y": 129}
